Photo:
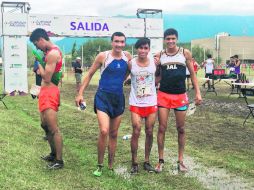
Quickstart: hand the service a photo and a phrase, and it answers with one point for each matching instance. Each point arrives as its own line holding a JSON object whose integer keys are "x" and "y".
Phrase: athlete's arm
{"x": 194, "y": 80}
{"x": 128, "y": 55}
{"x": 237, "y": 63}
{"x": 157, "y": 58}
{"x": 95, "y": 66}
{"x": 158, "y": 67}
{"x": 52, "y": 58}
{"x": 127, "y": 76}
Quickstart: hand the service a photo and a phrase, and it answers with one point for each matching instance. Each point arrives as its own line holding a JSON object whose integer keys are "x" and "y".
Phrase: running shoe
{"x": 148, "y": 167}
{"x": 57, "y": 164}
{"x": 48, "y": 158}
{"x": 98, "y": 172}
{"x": 134, "y": 169}
{"x": 159, "y": 166}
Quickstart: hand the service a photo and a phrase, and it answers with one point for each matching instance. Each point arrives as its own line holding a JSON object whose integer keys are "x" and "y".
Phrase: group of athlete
{"x": 166, "y": 68}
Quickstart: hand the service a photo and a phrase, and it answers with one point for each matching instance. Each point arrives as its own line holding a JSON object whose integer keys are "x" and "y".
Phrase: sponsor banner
{"x": 61, "y": 25}
{"x": 1, "y": 26}
{"x": 15, "y": 64}
{"x": 156, "y": 45}
{"x": 154, "y": 28}
{"x": 86, "y": 26}
{"x": 14, "y": 24}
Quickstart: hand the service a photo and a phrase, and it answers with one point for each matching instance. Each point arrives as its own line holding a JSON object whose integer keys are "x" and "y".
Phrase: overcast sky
{"x": 129, "y": 7}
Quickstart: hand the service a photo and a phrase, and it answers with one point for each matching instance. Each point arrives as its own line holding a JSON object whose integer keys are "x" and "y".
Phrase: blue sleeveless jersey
{"x": 113, "y": 75}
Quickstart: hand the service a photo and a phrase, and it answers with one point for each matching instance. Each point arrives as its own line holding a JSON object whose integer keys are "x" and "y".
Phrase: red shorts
{"x": 49, "y": 98}
{"x": 171, "y": 101}
{"x": 143, "y": 111}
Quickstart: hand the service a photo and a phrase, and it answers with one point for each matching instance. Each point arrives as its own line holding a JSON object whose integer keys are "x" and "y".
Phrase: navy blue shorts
{"x": 110, "y": 103}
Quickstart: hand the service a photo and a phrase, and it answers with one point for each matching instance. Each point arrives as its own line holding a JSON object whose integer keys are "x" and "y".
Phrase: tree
{"x": 185, "y": 45}
{"x": 200, "y": 54}
{"x": 74, "y": 53}
{"x": 92, "y": 48}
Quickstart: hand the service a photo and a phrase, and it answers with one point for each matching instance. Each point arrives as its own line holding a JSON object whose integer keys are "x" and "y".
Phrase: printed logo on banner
{"x": 15, "y": 55}
{"x": 16, "y": 66}
{"x": 93, "y": 26}
{"x": 42, "y": 23}
{"x": 14, "y": 47}
{"x": 18, "y": 24}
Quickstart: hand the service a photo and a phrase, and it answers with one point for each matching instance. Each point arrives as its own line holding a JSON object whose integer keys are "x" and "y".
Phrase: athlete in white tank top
{"x": 209, "y": 66}
{"x": 143, "y": 101}
{"x": 143, "y": 91}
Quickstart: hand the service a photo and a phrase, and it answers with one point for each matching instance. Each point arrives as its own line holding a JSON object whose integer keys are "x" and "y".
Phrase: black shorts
{"x": 208, "y": 75}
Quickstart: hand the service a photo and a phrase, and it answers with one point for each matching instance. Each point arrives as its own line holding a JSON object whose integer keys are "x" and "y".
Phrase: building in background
{"x": 224, "y": 46}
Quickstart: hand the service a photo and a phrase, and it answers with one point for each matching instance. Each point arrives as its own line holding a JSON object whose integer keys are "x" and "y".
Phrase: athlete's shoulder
{"x": 127, "y": 54}
{"x": 53, "y": 54}
{"x": 101, "y": 57}
{"x": 103, "y": 54}
{"x": 187, "y": 53}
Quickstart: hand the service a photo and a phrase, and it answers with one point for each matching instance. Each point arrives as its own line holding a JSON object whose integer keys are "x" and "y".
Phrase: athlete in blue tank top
{"x": 109, "y": 100}
{"x": 113, "y": 73}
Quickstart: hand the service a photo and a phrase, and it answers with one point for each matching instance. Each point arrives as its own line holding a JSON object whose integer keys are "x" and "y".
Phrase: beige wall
{"x": 243, "y": 46}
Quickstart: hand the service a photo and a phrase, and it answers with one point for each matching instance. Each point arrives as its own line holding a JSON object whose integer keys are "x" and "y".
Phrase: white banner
{"x": 80, "y": 26}
{"x": 14, "y": 24}
{"x": 17, "y": 25}
{"x": 1, "y": 26}
{"x": 154, "y": 28}
{"x": 86, "y": 26}
{"x": 15, "y": 64}
{"x": 156, "y": 45}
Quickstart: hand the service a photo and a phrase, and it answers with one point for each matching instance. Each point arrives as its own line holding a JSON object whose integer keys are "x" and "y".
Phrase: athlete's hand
{"x": 36, "y": 66}
{"x": 198, "y": 99}
{"x": 79, "y": 99}
{"x": 156, "y": 60}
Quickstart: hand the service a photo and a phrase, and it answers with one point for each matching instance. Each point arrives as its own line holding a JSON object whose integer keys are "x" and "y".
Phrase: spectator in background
{"x": 209, "y": 66}
{"x": 77, "y": 68}
{"x": 231, "y": 65}
{"x": 237, "y": 66}
{"x": 195, "y": 67}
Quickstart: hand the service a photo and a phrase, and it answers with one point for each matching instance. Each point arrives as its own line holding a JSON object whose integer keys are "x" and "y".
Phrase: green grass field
{"x": 216, "y": 141}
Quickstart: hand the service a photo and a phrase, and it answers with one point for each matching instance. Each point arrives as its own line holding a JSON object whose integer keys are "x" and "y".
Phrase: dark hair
{"x": 170, "y": 31}
{"x": 141, "y": 42}
{"x": 236, "y": 56}
{"x": 209, "y": 56}
{"x": 39, "y": 33}
{"x": 117, "y": 34}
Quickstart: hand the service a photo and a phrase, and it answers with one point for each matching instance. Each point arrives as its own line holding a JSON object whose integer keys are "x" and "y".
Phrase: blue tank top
{"x": 113, "y": 73}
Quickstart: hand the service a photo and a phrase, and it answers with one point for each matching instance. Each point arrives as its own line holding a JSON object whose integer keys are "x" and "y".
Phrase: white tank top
{"x": 209, "y": 66}
{"x": 143, "y": 91}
